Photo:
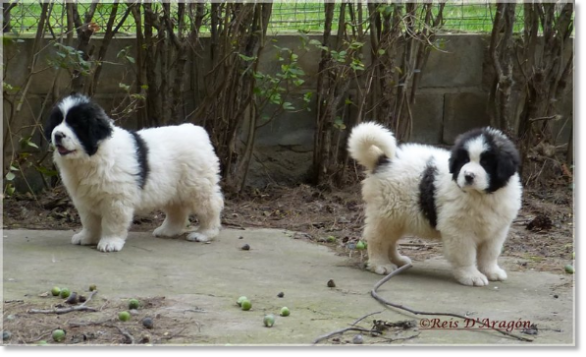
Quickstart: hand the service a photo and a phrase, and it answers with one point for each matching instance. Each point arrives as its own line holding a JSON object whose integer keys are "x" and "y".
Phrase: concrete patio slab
{"x": 211, "y": 277}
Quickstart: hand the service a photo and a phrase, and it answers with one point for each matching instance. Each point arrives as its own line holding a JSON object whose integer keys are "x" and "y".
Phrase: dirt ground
{"x": 541, "y": 237}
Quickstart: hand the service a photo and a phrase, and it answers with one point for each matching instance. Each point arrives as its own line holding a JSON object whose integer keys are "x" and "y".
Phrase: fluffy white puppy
{"x": 111, "y": 173}
{"x": 468, "y": 198}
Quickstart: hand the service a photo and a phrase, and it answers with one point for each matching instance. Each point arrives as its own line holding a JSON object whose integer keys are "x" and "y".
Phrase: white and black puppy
{"x": 111, "y": 173}
{"x": 468, "y": 198}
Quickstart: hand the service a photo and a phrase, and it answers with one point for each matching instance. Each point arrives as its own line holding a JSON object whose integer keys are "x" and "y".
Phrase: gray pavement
{"x": 212, "y": 276}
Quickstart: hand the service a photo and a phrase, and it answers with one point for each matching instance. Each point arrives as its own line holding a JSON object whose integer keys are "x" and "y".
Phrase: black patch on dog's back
{"x": 427, "y": 193}
{"x": 142, "y": 158}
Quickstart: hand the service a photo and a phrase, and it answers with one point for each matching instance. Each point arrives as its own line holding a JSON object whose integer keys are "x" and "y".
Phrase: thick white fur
{"x": 183, "y": 180}
{"x": 472, "y": 224}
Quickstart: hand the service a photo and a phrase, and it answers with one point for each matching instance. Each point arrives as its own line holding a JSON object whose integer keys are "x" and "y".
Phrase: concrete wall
{"x": 452, "y": 98}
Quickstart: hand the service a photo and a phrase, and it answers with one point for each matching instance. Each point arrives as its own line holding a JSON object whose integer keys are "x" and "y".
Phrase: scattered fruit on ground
{"x": 269, "y": 320}
{"x": 124, "y": 316}
{"x": 55, "y": 291}
{"x": 281, "y": 294}
{"x": 246, "y": 305}
{"x": 360, "y": 245}
{"x": 58, "y": 335}
{"x": 82, "y": 298}
{"x": 65, "y": 293}
{"x": 147, "y": 322}
{"x": 93, "y": 287}
{"x": 331, "y": 283}
{"x": 285, "y": 311}
{"x": 569, "y": 269}
{"x": 72, "y": 299}
{"x": 133, "y": 304}
{"x": 240, "y": 300}
{"x": 245, "y": 247}
{"x": 358, "y": 339}
{"x": 331, "y": 239}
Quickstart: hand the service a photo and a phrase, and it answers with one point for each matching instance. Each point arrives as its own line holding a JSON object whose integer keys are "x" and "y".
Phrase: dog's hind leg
{"x": 175, "y": 221}
{"x": 209, "y": 213}
{"x": 395, "y": 257}
{"x": 381, "y": 240}
{"x": 488, "y": 253}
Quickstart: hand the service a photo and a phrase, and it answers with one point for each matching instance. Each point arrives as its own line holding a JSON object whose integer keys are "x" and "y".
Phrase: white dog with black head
{"x": 111, "y": 174}
{"x": 468, "y": 198}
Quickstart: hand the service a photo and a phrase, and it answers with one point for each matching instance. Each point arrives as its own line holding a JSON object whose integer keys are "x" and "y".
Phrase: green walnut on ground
{"x": 285, "y": 311}
{"x": 246, "y": 305}
{"x": 65, "y": 293}
{"x": 124, "y": 316}
{"x": 133, "y": 304}
{"x": 360, "y": 245}
{"x": 240, "y": 300}
{"x": 269, "y": 320}
{"x": 56, "y": 291}
{"x": 58, "y": 335}
{"x": 569, "y": 269}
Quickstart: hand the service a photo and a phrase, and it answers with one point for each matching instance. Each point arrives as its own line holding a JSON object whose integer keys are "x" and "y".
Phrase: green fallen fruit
{"x": 41, "y": 343}
{"x": 269, "y": 320}
{"x": 133, "y": 304}
{"x": 285, "y": 311}
{"x": 246, "y": 305}
{"x": 93, "y": 287}
{"x": 55, "y": 291}
{"x": 58, "y": 335}
{"x": 331, "y": 239}
{"x": 360, "y": 245}
{"x": 65, "y": 293}
{"x": 240, "y": 300}
{"x": 124, "y": 316}
{"x": 569, "y": 269}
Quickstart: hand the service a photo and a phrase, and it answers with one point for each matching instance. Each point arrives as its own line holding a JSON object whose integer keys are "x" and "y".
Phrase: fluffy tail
{"x": 369, "y": 141}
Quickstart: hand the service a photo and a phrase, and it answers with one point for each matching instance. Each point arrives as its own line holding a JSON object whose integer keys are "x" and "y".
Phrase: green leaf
{"x": 130, "y": 59}
{"x": 31, "y": 144}
{"x": 246, "y": 58}
{"x": 13, "y": 168}
{"x": 10, "y": 176}
{"x": 381, "y": 52}
{"x": 315, "y": 42}
{"x": 298, "y": 82}
{"x": 10, "y": 190}
{"x": 288, "y": 106}
{"x": 47, "y": 172}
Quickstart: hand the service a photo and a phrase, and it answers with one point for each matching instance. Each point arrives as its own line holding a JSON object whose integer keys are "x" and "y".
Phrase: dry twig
{"x": 81, "y": 307}
{"x": 385, "y": 302}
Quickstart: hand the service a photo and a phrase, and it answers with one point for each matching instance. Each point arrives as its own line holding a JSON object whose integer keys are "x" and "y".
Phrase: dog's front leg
{"x": 91, "y": 228}
{"x": 488, "y": 253}
{"x": 460, "y": 251}
{"x": 115, "y": 223}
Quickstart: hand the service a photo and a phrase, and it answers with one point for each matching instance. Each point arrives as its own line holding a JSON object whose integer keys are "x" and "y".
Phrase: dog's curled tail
{"x": 369, "y": 141}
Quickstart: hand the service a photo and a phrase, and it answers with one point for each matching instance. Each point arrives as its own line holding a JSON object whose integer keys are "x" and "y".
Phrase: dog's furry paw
{"x": 111, "y": 244}
{"x": 402, "y": 260}
{"x": 470, "y": 277}
{"x": 198, "y": 237}
{"x": 166, "y": 232}
{"x": 382, "y": 269}
{"x": 495, "y": 273}
{"x": 83, "y": 238}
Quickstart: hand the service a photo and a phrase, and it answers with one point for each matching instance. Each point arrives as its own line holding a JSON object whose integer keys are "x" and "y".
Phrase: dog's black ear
{"x": 55, "y": 118}
{"x": 507, "y": 164}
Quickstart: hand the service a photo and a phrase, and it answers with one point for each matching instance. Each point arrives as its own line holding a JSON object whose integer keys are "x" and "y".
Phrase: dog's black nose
{"x": 469, "y": 178}
{"x": 59, "y": 136}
